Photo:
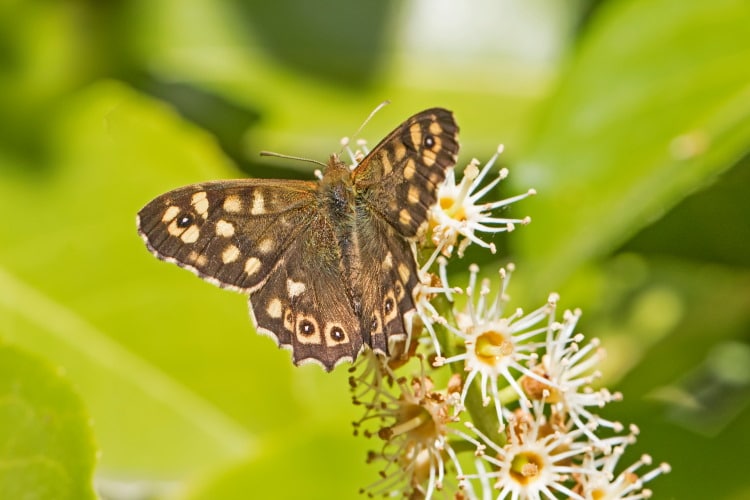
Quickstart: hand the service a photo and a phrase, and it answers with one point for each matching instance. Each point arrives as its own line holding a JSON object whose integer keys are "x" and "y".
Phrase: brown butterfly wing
{"x": 269, "y": 239}
{"x": 398, "y": 180}
{"x": 230, "y": 233}
{"x": 388, "y": 283}
{"x": 304, "y": 304}
{"x": 396, "y": 184}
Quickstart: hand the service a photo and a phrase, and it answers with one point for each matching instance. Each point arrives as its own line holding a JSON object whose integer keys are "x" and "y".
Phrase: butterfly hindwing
{"x": 304, "y": 303}
{"x": 399, "y": 178}
{"x": 387, "y": 287}
{"x": 230, "y": 233}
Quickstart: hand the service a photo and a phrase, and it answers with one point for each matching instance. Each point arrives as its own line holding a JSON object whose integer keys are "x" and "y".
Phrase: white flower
{"x": 496, "y": 346}
{"x": 627, "y": 485}
{"x": 538, "y": 459}
{"x": 568, "y": 371}
{"x": 458, "y": 211}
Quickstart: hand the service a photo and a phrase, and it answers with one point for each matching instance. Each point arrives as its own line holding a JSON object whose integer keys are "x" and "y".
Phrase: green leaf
{"x": 654, "y": 103}
{"x": 69, "y": 290}
{"x": 47, "y": 448}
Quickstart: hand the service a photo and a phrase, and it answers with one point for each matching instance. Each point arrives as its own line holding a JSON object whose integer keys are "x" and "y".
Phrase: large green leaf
{"x": 47, "y": 449}
{"x": 68, "y": 289}
{"x": 654, "y": 103}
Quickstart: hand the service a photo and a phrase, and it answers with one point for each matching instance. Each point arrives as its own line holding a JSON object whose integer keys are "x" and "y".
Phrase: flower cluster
{"x": 491, "y": 402}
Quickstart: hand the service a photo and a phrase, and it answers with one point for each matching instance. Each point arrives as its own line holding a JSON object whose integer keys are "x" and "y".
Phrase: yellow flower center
{"x": 525, "y": 467}
{"x": 491, "y": 346}
{"x": 454, "y": 211}
{"x": 597, "y": 494}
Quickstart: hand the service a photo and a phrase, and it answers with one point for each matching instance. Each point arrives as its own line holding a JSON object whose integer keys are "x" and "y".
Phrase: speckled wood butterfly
{"x": 328, "y": 265}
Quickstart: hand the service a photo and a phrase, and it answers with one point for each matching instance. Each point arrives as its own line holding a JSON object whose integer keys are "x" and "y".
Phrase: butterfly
{"x": 329, "y": 265}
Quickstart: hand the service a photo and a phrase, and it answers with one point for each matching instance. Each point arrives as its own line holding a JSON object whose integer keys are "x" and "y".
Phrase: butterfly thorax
{"x": 336, "y": 189}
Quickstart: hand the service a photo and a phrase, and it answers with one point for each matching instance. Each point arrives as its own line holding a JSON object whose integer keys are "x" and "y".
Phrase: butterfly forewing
{"x": 231, "y": 233}
{"x": 399, "y": 178}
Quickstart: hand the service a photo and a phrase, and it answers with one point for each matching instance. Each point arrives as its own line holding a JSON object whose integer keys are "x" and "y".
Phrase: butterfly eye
{"x": 428, "y": 141}
{"x": 306, "y": 328}
{"x": 184, "y": 220}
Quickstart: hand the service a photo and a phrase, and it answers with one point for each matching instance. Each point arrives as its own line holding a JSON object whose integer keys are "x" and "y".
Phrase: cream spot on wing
{"x": 389, "y": 307}
{"x": 435, "y": 178}
{"x": 416, "y": 134}
{"x": 170, "y": 213}
{"x": 258, "y": 207}
{"x": 413, "y": 195}
{"x": 191, "y": 234}
{"x": 410, "y": 169}
{"x": 399, "y": 152}
{"x": 404, "y": 217}
{"x": 288, "y": 319}
{"x": 266, "y": 246}
{"x": 230, "y": 254}
{"x": 174, "y": 229}
{"x": 400, "y": 292}
{"x": 435, "y": 129}
{"x": 387, "y": 167}
{"x": 200, "y": 203}
{"x": 197, "y": 259}
{"x": 403, "y": 271}
{"x": 428, "y": 158}
{"x": 232, "y": 203}
{"x": 252, "y": 266}
{"x": 274, "y": 308}
{"x": 224, "y": 228}
{"x": 388, "y": 261}
{"x": 295, "y": 288}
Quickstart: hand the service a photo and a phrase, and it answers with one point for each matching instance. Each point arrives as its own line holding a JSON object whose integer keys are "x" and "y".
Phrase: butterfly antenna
{"x": 289, "y": 157}
{"x": 369, "y": 117}
{"x": 345, "y": 140}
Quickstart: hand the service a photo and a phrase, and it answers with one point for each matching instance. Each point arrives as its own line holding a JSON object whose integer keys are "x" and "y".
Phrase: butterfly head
{"x": 335, "y": 166}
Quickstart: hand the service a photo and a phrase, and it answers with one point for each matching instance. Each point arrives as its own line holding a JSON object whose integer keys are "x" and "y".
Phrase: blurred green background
{"x": 631, "y": 118}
